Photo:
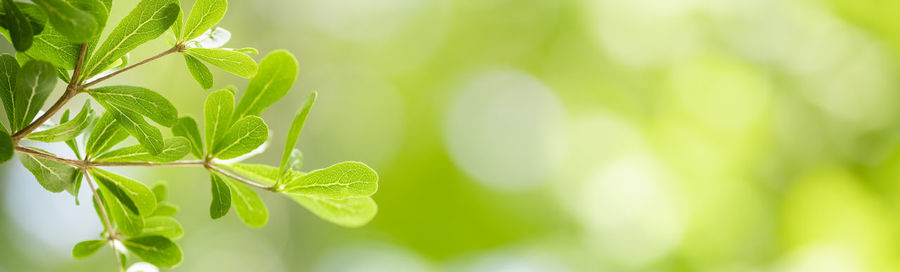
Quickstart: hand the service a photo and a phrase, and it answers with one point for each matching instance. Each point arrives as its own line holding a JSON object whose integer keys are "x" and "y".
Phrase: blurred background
{"x": 545, "y": 135}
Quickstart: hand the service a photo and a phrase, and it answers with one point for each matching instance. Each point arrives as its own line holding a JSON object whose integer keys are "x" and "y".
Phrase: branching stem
{"x": 101, "y": 79}
{"x": 110, "y": 233}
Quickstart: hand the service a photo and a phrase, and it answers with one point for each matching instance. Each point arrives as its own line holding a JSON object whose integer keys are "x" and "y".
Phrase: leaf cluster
{"x": 60, "y": 40}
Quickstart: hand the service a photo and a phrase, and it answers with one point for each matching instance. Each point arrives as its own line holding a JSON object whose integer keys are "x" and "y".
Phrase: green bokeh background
{"x": 546, "y": 135}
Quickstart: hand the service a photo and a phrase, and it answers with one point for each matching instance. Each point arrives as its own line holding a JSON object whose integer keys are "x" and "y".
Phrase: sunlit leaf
{"x": 52, "y": 175}
{"x": 105, "y": 134}
{"x": 186, "y": 127}
{"x": 85, "y": 249}
{"x": 67, "y": 130}
{"x": 261, "y": 173}
{"x": 125, "y": 220}
{"x": 204, "y": 15}
{"x": 276, "y": 74}
{"x": 339, "y": 181}
{"x": 218, "y": 108}
{"x": 132, "y": 194}
{"x": 294, "y": 134}
{"x": 148, "y": 20}
{"x": 349, "y": 212}
{"x": 244, "y": 136}
{"x": 231, "y": 61}
{"x": 140, "y": 100}
{"x": 165, "y": 209}
{"x": 161, "y": 191}
{"x": 199, "y": 71}
{"x": 163, "y": 226}
{"x": 175, "y": 148}
{"x": 250, "y": 208}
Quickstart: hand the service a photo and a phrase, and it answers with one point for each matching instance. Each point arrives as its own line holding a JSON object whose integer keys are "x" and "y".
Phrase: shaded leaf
{"x": 75, "y": 24}
{"x": 20, "y": 30}
{"x": 157, "y": 250}
{"x": 9, "y": 68}
{"x": 34, "y": 83}
{"x": 124, "y": 220}
{"x": 52, "y": 175}
{"x": 105, "y": 134}
{"x": 186, "y": 127}
{"x": 276, "y": 74}
{"x": 6, "y": 147}
{"x": 221, "y": 197}
{"x": 199, "y": 71}
{"x": 53, "y": 47}
{"x": 132, "y": 194}
{"x": 147, "y": 135}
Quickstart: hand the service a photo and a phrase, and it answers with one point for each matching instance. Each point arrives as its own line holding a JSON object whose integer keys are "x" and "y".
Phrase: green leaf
{"x": 51, "y": 46}
{"x": 199, "y": 71}
{"x": 261, "y": 173}
{"x": 148, "y": 20}
{"x": 250, "y": 208}
{"x": 67, "y": 130}
{"x": 85, "y": 249}
{"x": 105, "y": 134}
{"x": 160, "y": 190}
{"x": 71, "y": 143}
{"x": 163, "y": 226}
{"x": 165, "y": 209}
{"x": 248, "y": 50}
{"x": 52, "y": 175}
{"x": 76, "y": 186}
{"x": 231, "y": 61}
{"x": 218, "y": 108}
{"x": 147, "y": 135}
{"x": 6, "y": 147}
{"x": 186, "y": 127}
{"x": 20, "y": 31}
{"x": 339, "y": 181}
{"x": 125, "y": 220}
{"x": 276, "y": 75}
{"x": 294, "y": 132}
{"x": 140, "y": 100}
{"x": 349, "y": 212}
{"x": 175, "y": 148}
{"x": 244, "y": 136}
{"x": 34, "y": 83}
{"x": 178, "y": 25}
{"x": 77, "y": 25}
{"x": 221, "y": 197}
{"x": 295, "y": 161}
{"x": 9, "y": 68}
{"x": 204, "y": 15}
{"x": 157, "y": 250}
{"x": 34, "y": 14}
{"x": 132, "y": 194}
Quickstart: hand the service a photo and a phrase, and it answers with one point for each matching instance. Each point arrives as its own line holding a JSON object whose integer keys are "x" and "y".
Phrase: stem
{"x": 29, "y": 151}
{"x": 71, "y": 91}
{"x": 213, "y": 168}
{"x": 101, "y": 79}
{"x": 147, "y": 164}
{"x": 110, "y": 233}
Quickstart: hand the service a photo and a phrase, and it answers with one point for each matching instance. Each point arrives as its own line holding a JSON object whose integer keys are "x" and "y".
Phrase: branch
{"x": 101, "y": 79}
{"x": 71, "y": 91}
{"x": 238, "y": 178}
{"x": 110, "y": 233}
{"x": 147, "y": 164}
{"x": 29, "y": 151}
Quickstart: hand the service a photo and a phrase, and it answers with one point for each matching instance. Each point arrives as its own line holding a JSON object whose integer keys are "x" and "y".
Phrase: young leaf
{"x": 126, "y": 221}
{"x": 349, "y": 212}
{"x": 20, "y": 31}
{"x": 71, "y": 143}
{"x": 148, "y": 136}
{"x": 294, "y": 132}
{"x": 52, "y": 175}
{"x": 161, "y": 191}
{"x": 6, "y": 146}
{"x": 218, "y": 109}
{"x": 178, "y": 26}
{"x": 339, "y": 181}
{"x": 157, "y": 250}
{"x": 34, "y": 82}
{"x": 221, "y": 197}
{"x": 9, "y": 68}
{"x": 77, "y": 25}
{"x": 204, "y": 15}
{"x": 105, "y": 134}
{"x": 250, "y": 208}
{"x": 175, "y": 148}
{"x": 140, "y": 100}
{"x": 276, "y": 75}
{"x": 247, "y": 50}
{"x": 132, "y": 194}
{"x": 186, "y": 127}
{"x": 244, "y": 136}
{"x": 199, "y": 71}
{"x": 85, "y": 249}
{"x": 67, "y": 130}
{"x": 148, "y": 20}
{"x": 232, "y": 61}
{"x": 76, "y": 185}
{"x": 163, "y": 226}
{"x": 295, "y": 161}
{"x": 165, "y": 209}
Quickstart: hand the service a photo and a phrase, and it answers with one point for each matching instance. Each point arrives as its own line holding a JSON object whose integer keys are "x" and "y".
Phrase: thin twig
{"x": 238, "y": 178}
{"x": 29, "y": 151}
{"x": 147, "y": 164}
{"x": 71, "y": 91}
{"x": 110, "y": 233}
{"x": 101, "y": 79}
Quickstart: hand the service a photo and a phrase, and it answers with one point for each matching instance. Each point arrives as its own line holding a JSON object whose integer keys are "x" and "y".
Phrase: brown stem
{"x": 71, "y": 91}
{"x": 110, "y": 233}
{"x": 101, "y": 79}
{"x": 147, "y": 164}
{"x": 77, "y": 163}
{"x": 213, "y": 168}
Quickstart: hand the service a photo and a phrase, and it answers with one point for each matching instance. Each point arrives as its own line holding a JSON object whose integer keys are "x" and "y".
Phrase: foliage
{"x": 60, "y": 40}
